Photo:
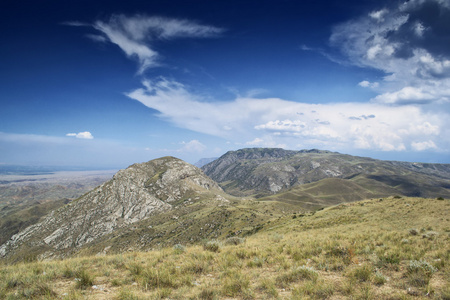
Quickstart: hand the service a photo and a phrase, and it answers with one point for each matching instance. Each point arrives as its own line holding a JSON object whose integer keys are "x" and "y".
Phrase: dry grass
{"x": 361, "y": 250}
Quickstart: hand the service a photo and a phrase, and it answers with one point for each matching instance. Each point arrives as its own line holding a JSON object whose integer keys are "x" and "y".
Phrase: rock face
{"x": 262, "y": 172}
{"x": 134, "y": 194}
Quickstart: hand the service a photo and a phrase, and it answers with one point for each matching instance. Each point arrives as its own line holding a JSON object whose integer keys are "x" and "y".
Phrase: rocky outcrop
{"x": 134, "y": 194}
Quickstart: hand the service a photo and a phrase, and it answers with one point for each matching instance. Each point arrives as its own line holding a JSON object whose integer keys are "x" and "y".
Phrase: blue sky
{"x": 110, "y": 83}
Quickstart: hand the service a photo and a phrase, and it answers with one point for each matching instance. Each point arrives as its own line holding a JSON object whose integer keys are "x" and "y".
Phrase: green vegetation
{"x": 360, "y": 250}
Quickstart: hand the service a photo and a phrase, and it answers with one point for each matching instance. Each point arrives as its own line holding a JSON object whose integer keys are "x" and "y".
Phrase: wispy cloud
{"x": 410, "y": 42}
{"x": 136, "y": 35}
{"x": 368, "y": 84}
{"x": 273, "y": 121}
{"x": 82, "y": 135}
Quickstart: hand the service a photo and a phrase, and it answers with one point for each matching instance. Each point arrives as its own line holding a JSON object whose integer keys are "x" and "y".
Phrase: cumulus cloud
{"x": 410, "y": 42}
{"x": 136, "y": 35}
{"x": 82, "y": 135}
{"x": 192, "y": 146}
{"x": 421, "y": 146}
{"x": 274, "y": 121}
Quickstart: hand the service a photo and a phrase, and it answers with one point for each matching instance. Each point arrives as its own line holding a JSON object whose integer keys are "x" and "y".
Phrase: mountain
{"x": 133, "y": 194}
{"x": 204, "y": 161}
{"x": 162, "y": 201}
{"x": 168, "y": 201}
{"x": 265, "y": 171}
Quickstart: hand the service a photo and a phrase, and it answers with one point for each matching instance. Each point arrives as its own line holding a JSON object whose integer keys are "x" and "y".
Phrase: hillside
{"x": 163, "y": 201}
{"x": 27, "y": 194}
{"x": 389, "y": 248}
{"x": 264, "y": 171}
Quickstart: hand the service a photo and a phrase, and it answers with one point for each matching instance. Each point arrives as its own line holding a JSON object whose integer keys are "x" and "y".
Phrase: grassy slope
{"x": 388, "y": 249}
{"x": 329, "y": 191}
{"x": 23, "y": 216}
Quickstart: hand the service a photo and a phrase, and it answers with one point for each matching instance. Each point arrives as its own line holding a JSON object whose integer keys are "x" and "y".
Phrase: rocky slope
{"x": 27, "y": 194}
{"x": 134, "y": 194}
{"x": 264, "y": 172}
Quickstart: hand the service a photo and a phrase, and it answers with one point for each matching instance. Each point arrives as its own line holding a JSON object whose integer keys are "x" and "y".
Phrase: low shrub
{"x": 419, "y": 273}
{"x": 178, "y": 249}
{"x": 420, "y": 266}
{"x": 413, "y": 231}
{"x": 213, "y": 246}
{"x": 379, "y": 278}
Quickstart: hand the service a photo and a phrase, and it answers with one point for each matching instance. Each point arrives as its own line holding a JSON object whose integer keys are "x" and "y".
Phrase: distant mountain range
{"x": 168, "y": 201}
{"x": 263, "y": 172}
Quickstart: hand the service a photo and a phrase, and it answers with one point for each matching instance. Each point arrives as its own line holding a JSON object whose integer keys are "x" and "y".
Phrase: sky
{"x": 104, "y": 84}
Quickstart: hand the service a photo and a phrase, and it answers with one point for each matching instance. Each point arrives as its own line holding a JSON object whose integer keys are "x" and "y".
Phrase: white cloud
{"x": 378, "y": 15}
{"x": 406, "y": 95}
{"x": 136, "y": 34}
{"x": 421, "y": 146}
{"x": 192, "y": 146}
{"x": 364, "y": 83}
{"x": 274, "y": 121}
{"x": 419, "y": 29}
{"x": 368, "y": 84}
{"x": 75, "y": 23}
{"x": 402, "y": 42}
{"x": 82, "y": 135}
{"x": 255, "y": 142}
{"x": 267, "y": 140}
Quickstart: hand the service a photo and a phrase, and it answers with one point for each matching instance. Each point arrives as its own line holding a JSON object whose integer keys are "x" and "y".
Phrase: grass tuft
{"x": 362, "y": 273}
{"x": 83, "y": 280}
{"x": 296, "y": 274}
{"x": 213, "y": 246}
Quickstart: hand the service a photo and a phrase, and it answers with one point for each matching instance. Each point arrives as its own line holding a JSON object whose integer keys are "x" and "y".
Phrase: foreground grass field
{"x": 391, "y": 248}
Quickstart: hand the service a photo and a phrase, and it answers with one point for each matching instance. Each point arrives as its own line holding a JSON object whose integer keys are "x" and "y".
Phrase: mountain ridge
{"x": 131, "y": 195}
{"x": 167, "y": 200}
{"x": 266, "y": 171}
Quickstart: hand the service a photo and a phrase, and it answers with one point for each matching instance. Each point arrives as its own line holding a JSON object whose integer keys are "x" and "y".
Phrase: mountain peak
{"x": 134, "y": 194}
